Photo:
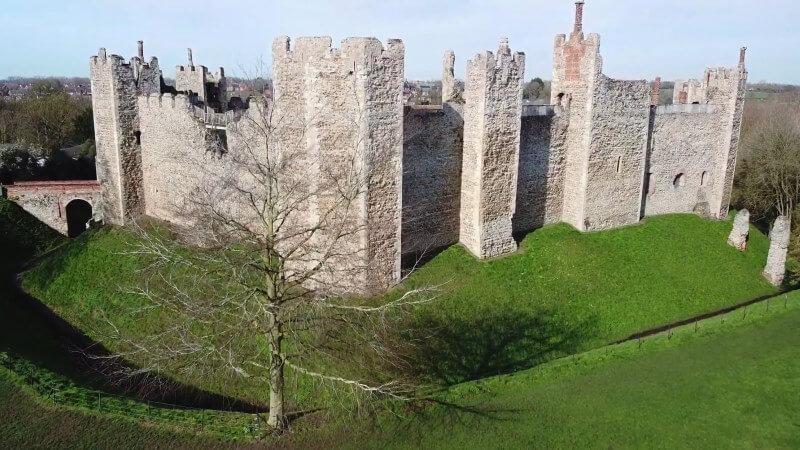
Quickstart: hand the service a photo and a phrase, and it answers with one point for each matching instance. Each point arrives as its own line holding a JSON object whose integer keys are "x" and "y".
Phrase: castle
{"x": 478, "y": 170}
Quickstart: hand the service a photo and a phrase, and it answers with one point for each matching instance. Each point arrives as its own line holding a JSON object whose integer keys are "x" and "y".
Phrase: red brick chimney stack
{"x": 655, "y": 98}
{"x": 578, "y": 17}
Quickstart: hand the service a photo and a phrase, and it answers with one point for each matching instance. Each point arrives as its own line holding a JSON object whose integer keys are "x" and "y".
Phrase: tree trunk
{"x": 277, "y": 417}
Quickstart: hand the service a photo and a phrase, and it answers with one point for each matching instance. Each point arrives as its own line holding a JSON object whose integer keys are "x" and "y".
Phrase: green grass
{"x": 574, "y": 291}
{"x": 562, "y": 293}
{"x": 728, "y": 382}
{"x": 26, "y": 421}
{"x": 732, "y": 382}
{"x": 56, "y": 390}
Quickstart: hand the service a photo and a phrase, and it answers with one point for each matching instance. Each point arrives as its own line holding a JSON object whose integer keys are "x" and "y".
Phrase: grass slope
{"x": 732, "y": 383}
{"x": 562, "y": 293}
{"x": 28, "y": 423}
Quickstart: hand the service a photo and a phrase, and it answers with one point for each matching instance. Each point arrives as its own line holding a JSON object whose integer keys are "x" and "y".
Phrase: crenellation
{"x": 478, "y": 169}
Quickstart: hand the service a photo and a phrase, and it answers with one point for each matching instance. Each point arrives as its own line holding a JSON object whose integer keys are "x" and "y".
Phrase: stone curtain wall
{"x": 432, "y": 149}
{"x": 599, "y": 157}
{"x": 540, "y": 183}
{"x": 174, "y": 157}
{"x": 683, "y": 144}
{"x": 47, "y": 200}
{"x": 620, "y": 117}
{"x": 116, "y": 125}
{"x": 340, "y": 107}
{"x": 492, "y": 122}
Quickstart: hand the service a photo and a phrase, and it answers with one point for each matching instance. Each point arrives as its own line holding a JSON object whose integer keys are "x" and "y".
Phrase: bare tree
{"x": 281, "y": 246}
{"x": 769, "y": 169}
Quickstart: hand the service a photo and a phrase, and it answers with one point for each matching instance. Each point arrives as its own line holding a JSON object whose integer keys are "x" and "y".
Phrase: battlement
{"x": 322, "y": 47}
{"x": 165, "y": 100}
{"x": 103, "y": 59}
{"x": 475, "y": 169}
{"x": 503, "y": 62}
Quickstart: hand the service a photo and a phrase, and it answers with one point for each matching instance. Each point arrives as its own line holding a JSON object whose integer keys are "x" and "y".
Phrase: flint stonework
{"x": 779, "y": 235}
{"x": 740, "y": 231}
{"x": 478, "y": 169}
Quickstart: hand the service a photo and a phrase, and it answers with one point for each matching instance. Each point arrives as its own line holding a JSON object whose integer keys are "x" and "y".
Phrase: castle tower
{"x": 726, "y": 89}
{"x": 492, "y": 124}
{"x": 191, "y": 78}
{"x": 115, "y": 87}
{"x": 118, "y": 160}
{"x": 339, "y": 111}
{"x": 210, "y": 88}
{"x": 607, "y": 134}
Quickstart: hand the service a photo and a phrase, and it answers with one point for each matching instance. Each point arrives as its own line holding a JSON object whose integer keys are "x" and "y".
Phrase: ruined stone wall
{"x": 682, "y": 159}
{"x": 432, "y": 146}
{"x": 693, "y": 146}
{"x": 688, "y": 92}
{"x": 619, "y": 124}
{"x": 540, "y": 183}
{"x": 492, "y": 122}
{"x": 116, "y": 129}
{"x": 339, "y": 110}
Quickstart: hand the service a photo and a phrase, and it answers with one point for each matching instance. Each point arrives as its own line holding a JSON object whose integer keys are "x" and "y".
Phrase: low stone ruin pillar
{"x": 740, "y": 231}
{"x": 778, "y": 247}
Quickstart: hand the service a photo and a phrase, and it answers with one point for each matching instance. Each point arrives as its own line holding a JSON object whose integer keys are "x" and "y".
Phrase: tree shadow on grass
{"x": 451, "y": 350}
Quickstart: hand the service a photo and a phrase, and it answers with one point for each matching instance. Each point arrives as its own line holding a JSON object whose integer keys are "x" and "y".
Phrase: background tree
{"x": 47, "y": 118}
{"x": 768, "y": 180}
{"x": 265, "y": 293}
{"x": 535, "y": 90}
{"x": 768, "y": 172}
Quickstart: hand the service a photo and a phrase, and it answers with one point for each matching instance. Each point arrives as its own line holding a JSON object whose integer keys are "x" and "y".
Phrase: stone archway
{"x": 79, "y": 212}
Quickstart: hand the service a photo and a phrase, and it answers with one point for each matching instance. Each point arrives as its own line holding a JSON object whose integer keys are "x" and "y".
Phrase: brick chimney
{"x": 578, "y": 17}
{"x": 655, "y": 96}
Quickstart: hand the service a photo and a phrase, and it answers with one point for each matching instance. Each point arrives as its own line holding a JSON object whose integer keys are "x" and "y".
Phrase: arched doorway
{"x": 79, "y": 212}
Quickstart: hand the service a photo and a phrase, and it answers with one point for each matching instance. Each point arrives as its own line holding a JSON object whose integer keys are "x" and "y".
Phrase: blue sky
{"x": 640, "y": 38}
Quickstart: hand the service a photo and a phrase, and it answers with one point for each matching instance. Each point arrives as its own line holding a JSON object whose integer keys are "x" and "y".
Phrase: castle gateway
{"x": 477, "y": 170}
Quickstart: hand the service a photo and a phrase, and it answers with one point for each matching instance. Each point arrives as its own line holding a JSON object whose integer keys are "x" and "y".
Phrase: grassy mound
{"x": 562, "y": 293}
{"x": 566, "y": 291}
